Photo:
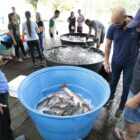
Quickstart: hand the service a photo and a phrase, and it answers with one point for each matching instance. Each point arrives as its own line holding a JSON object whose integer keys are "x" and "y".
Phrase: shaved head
{"x": 119, "y": 16}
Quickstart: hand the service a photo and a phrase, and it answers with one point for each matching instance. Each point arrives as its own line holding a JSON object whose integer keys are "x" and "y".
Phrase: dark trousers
{"x": 32, "y": 45}
{"x": 5, "y": 121}
{"x": 127, "y": 78}
{"x": 79, "y": 29}
{"x": 71, "y": 30}
{"x": 19, "y": 45}
{"x": 41, "y": 41}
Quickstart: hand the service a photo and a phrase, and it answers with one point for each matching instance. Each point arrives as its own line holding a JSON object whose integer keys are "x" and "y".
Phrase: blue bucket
{"x": 41, "y": 83}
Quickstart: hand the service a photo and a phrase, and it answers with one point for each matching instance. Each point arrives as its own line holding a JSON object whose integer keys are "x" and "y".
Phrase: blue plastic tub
{"x": 80, "y": 80}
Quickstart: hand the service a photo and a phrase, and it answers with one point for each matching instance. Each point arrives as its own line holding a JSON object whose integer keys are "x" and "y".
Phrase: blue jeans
{"x": 127, "y": 78}
{"x": 132, "y": 115}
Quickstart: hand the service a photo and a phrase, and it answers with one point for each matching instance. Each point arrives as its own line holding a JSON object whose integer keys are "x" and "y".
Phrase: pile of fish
{"x": 63, "y": 103}
{"x": 76, "y": 39}
{"x": 73, "y": 55}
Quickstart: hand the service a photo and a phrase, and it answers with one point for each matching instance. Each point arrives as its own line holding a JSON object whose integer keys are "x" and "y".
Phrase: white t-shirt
{"x": 80, "y": 20}
{"x": 34, "y": 35}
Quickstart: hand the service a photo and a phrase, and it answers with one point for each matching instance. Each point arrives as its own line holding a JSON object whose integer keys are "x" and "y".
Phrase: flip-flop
{"x": 118, "y": 133}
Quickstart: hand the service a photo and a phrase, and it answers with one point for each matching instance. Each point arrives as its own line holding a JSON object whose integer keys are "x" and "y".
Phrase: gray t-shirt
{"x": 97, "y": 25}
{"x": 135, "y": 86}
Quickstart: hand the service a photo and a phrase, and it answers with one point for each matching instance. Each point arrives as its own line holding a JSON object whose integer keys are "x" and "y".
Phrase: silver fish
{"x": 77, "y": 99}
{"x": 43, "y": 103}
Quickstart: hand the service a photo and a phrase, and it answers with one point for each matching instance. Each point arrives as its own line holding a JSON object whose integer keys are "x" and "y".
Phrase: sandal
{"x": 118, "y": 133}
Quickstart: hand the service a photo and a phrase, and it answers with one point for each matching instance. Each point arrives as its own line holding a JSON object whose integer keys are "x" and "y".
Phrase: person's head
{"x": 11, "y": 17}
{"x": 72, "y": 14}
{"x": 119, "y": 16}
{"x": 38, "y": 16}
{"x": 135, "y": 22}
{"x": 13, "y": 9}
{"x": 28, "y": 22}
{"x": 27, "y": 15}
{"x": 56, "y": 13}
{"x": 88, "y": 22}
{"x": 79, "y": 11}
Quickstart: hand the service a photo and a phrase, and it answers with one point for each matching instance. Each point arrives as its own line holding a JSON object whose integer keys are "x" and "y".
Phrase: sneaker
{"x": 19, "y": 60}
{"x": 35, "y": 65}
{"x": 26, "y": 56}
{"x": 118, "y": 112}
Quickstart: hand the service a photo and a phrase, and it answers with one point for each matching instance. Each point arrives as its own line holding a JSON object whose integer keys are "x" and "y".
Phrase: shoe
{"x": 118, "y": 112}
{"x": 19, "y": 60}
{"x": 26, "y": 56}
{"x": 35, "y": 65}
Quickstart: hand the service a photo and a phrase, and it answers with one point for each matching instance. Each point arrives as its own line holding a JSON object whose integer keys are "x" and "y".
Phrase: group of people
{"x": 34, "y": 31}
{"x": 95, "y": 25}
{"x": 123, "y": 33}
{"x": 34, "y": 35}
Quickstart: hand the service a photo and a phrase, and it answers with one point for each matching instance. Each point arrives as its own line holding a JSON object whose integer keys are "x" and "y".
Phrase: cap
{"x": 135, "y": 21}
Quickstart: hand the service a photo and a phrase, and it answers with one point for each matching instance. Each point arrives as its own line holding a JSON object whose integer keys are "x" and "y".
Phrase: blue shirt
{"x": 3, "y": 84}
{"x": 126, "y": 43}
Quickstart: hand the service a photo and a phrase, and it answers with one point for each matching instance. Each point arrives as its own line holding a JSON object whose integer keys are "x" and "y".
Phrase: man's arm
{"x": 107, "y": 53}
{"x": 90, "y": 30}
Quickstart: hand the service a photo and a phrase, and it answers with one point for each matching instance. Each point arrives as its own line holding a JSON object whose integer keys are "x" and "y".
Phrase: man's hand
{"x": 107, "y": 67}
{"x": 1, "y": 108}
{"x": 131, "y": 103}
{"x": 15, "y": 43}
{"x": 51, "y": 35}
{"x": 87, "y": 37}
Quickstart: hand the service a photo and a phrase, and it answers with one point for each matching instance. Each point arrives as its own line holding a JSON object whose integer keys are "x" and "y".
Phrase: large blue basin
{"x": 80, "y": 80}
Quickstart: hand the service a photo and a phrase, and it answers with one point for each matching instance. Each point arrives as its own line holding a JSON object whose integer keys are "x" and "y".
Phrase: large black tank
{"x": 53, "y": 60}
{"x": 77, "y": 39}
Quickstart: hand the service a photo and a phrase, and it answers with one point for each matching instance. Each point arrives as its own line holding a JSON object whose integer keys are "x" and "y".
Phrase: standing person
{"x": 5, "y": 121}
{"x": 132, "y": 107}
{"x": 14, "y": 32}
{"x": 30, "y": 29}
{"x": 17, "y": 21}
{"x": 80, "y": 20}
{"x": 52, "y": 27}
{"x": 41, "y": 29}
{"x": 99, "y": 29}
{"x": 72, "y": 21}
{"x": 125, "y": 53}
